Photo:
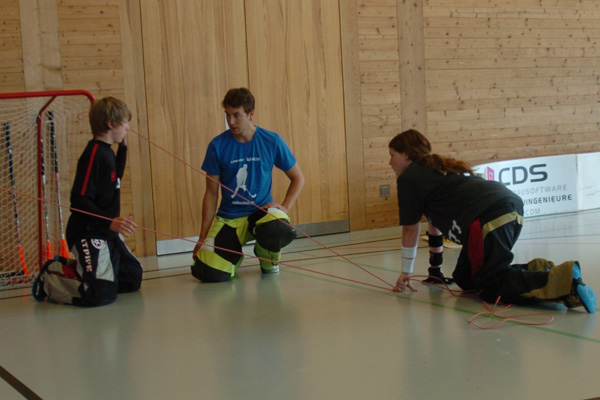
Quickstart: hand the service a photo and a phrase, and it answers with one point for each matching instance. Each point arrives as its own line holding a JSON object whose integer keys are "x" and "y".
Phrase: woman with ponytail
{"x": 485, "y": 218}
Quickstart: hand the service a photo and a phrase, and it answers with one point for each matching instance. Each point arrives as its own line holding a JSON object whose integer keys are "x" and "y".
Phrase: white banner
{"x": 547, "y": 185}
{"x": 588, "y": 182}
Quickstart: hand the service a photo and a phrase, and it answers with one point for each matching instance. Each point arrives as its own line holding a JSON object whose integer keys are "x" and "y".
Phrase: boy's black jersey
{"x": 451, "y": 202}
{"x": 96, "y": 189}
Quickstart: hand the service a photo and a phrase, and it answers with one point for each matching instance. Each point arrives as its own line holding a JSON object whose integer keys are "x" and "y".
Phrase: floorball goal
{"x": 41, "y": 137}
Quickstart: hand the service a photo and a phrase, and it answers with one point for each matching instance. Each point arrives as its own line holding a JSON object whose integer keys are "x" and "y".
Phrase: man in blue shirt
{"x": 240, "y": 161}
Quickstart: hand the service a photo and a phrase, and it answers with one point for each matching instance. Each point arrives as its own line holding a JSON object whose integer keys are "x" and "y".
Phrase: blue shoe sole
{"x": 585, "y": 293}
{"x": 587, "y": 297}
{"x": 576, "y": 271}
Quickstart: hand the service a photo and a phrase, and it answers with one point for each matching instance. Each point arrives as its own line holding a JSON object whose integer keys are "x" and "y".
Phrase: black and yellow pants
{"x": 221, "y": 255}
{"x": 484, "y": 264}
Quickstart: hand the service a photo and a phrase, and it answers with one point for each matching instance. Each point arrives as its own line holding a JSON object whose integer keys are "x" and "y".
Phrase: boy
{"x": 242, "y": 159}
{"x": 103, "y": 265}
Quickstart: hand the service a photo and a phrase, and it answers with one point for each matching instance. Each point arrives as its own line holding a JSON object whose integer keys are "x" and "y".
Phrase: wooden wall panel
{"x": 139, "y": 150}
{"x": 412, "y": 65}
{"x": 12, "y": 78}
{"x": 96, "y": 40}
{"x": 76, "y": 44}
{"x": 91, "y": 47}
{"x": 382, "y": 101}
{"x": 357, "y": 207}
{"x": 502, "y": 79}
{"x": 295, "y": 71}
{"x": 510, "y": 79}
{"x": 494, "y": 80}
{"x": 194, "y": 51}
{"x": 41, "y": 48}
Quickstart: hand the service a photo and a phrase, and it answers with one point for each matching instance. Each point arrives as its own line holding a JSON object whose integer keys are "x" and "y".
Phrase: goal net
{"x": 41, "y": 137}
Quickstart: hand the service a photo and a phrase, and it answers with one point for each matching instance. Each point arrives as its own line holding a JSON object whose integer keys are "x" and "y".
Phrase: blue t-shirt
{"x": 247, "y": 169}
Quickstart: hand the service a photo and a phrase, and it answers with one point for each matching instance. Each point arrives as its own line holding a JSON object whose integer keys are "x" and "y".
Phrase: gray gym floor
{"x": 322, "y": 329}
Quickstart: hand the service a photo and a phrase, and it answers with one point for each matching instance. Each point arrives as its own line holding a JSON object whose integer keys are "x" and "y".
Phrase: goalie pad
{"x": 61, "y": 281}
{"x": 271, "y": 230}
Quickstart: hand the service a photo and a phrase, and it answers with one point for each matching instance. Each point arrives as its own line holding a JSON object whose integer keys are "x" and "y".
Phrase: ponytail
{"x": 418, "y": 149}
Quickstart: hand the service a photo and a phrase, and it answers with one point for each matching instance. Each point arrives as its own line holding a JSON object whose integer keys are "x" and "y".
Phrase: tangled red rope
{"x": 491, "y": 311}
{"x": 519, "y": 319}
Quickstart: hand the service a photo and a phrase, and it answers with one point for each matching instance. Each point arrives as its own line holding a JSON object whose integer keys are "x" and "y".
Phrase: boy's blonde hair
{"x": 105, "y": 110}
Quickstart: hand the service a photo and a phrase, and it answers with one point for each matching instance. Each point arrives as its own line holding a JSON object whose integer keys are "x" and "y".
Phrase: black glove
{"x": 436, "y": 276}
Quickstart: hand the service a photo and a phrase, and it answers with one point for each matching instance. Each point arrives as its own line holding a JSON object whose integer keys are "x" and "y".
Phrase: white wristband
{"x": 408, "y": 259}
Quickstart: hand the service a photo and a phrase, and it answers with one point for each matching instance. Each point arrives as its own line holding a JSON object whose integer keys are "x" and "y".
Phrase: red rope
{"x": 191, "y": 241}
{"x": 519, "y": 319}
{"x": 491, "y": 311}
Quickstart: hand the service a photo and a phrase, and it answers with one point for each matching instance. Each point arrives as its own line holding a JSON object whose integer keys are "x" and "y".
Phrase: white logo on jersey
{"x": 240, "y": 178}
{"x": 86, "y": 255}
{"x": 97, "y": 243}
{"x": 455, "y": 232}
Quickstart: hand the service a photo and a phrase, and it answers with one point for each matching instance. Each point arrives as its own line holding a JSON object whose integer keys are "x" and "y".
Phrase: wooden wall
{"x": 91, "y": 45}
{"x": 381, "y": 104}
{"x": 484, "y": 80}
{"x": 513, "y": 79}
{"x": 11, "y": 51}
{"x": 500, "y": 80}
{"x": 295, "y": 70}
{"x": 290, "y": 63}
{"x": 98, "y": 51}
{"x": 195, "y": 51}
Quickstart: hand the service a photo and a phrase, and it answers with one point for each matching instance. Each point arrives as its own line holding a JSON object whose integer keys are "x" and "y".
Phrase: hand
{"x": 275, "y": 205}
{"x": 403, "y": 282}
{"x": 196, "y": 248}
{"x": 124, "y": 226}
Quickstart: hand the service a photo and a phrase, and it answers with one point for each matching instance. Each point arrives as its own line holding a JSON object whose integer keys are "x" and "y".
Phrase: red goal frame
{"x": 52, "y": 95}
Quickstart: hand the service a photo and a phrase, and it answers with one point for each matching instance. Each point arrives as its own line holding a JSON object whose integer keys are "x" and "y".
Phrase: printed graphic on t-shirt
{"x": 241, "y": 177}
{"x": 455, "y": 232}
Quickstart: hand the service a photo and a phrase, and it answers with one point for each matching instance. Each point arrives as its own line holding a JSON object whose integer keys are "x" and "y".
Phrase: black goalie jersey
{"x": 96, "y": 189}
{"x": 451, "y": 202}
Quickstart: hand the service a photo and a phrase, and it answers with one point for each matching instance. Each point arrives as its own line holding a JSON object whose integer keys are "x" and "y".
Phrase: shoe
{"x": 273, "y": 270}
{"x": 37, "y": 288}
{"x": 584, "y": 293}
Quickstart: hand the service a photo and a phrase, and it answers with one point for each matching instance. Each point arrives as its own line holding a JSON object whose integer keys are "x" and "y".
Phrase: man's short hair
{"x": 105, "y": 110}
{"x": 239, "y": 97}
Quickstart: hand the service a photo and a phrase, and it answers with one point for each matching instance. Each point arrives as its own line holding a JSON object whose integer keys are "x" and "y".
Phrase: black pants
{"x": 106, "y": 267}
{"x": 484, "y": 264}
